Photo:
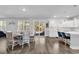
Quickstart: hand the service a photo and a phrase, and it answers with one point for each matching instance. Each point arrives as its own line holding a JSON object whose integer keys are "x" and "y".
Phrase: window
{"x": 23, "y": 25}
{"x": 2, "y": 25}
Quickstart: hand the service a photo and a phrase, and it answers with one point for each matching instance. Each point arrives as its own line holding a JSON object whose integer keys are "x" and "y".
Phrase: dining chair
{"x": 26, "y": 39}
{"x": 11, "y": 41}
{"x": 67, "y": 35}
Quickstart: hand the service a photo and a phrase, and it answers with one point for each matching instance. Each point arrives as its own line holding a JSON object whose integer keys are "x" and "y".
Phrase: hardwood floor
{"x": 51, "y": 46}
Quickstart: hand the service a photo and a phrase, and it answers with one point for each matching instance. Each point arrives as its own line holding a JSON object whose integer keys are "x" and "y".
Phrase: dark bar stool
{"x": 59, "y": 34}
{"x": 67, "y": 35}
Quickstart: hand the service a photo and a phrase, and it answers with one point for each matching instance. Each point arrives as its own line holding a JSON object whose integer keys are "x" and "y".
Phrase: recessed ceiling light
{"x": 67, "y": 16}
{"x": 24, "y": 9}
{"x": 54, "y": 16}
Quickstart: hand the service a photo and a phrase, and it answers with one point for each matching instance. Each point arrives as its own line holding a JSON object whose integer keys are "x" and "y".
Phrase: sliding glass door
{"x": 23, "y": 25}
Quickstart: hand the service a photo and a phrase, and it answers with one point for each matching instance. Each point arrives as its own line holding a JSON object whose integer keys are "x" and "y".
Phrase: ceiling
{"x": 39, "y": 10}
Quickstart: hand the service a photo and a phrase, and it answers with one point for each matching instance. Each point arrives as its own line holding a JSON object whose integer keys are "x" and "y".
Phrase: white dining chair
{"x": 26, "y": 39}
{"x": 11, "y": 41}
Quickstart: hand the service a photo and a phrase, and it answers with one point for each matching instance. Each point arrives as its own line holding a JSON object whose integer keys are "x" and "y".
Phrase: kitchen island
{"x": 74, "y": 39}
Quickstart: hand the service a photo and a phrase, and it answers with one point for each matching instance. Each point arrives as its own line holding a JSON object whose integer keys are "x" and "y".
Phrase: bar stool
{"x": 68, "y": 37}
